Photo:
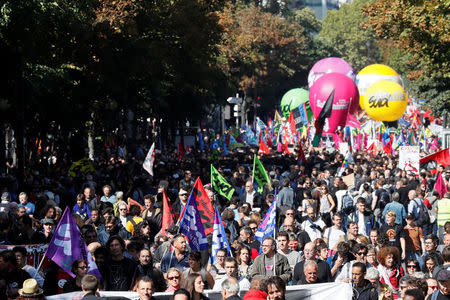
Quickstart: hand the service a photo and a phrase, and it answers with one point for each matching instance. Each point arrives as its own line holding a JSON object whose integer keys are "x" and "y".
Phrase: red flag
{"x": 181, "y": 152}
{"x": 134, "y": 202}
{"x": 372, "y": 148}
{"x": 285, "y": 148}
{"x": 168, "y": 216}
{"x": 204, "y": 206}
{"x": 292, "y": 123}
{"x": 441, "y": 157}
{"x": 440, "y": 185}
{"x": 263, "y": 148}
{"x": 301, "y": 154}
{"x": 388, "y": 147}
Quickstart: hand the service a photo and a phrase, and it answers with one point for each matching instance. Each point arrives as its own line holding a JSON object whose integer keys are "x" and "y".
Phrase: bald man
{"x": 323, "y": 269}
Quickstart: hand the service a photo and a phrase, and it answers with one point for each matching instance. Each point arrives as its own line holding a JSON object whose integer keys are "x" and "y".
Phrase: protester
{"x": 30, "y": 290}
{"x": 270, "y": 263}
{"x": 80, "y": 269}
{"x": 89, "y": 285}
{"x": 195, "y": 286}
{"x": 173, "y": 279}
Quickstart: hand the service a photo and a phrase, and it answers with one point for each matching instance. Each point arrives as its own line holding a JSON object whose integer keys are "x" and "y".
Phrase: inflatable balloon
{"x": 370, "y": 75}
{"x": 345, "y": 91}
{"x": 385, "y": 101}
{"x": 330, "y": 65}
{"x": 292, "y": 99}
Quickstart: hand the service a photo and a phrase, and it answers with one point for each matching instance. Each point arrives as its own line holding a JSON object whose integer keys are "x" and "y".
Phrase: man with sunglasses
{"x": 360, "y": 251}
{"x": 181, "y": 202}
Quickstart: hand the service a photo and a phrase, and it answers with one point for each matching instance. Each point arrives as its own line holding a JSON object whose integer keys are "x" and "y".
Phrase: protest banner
{"x": 320, "y": 291}
{"x": 35, "y": 252}
{"x": 409, "y": 159}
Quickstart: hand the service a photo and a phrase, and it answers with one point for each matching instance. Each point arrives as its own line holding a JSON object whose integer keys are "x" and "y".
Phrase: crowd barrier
{"x": 341, "y": 291}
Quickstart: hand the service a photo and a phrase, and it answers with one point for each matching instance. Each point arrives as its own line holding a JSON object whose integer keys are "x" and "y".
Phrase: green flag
{"x": 260, "y": 174}
{"x": 220, "y": 184}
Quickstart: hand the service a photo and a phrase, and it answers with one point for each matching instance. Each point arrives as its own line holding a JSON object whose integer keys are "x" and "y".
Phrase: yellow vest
{"x": 443, "y": 214}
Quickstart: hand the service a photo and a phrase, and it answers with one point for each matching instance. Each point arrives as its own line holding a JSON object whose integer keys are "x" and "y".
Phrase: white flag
{"x": 149, "y": 160}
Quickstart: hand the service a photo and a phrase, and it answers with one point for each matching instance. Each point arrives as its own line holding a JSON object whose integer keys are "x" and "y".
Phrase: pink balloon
{"x": 345, "y": 92}
{"x": 330, "y": 65}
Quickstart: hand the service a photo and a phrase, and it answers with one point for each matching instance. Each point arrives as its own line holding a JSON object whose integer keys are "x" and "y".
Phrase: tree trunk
{"x": 91, "y": 144}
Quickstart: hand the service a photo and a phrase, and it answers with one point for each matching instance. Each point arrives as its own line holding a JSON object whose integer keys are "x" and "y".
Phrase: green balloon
{"x": 293, "y": 99}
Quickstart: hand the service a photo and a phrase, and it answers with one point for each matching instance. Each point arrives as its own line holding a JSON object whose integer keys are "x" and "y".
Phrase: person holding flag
{"x": 190, "y": 226}
{"x": 67, "y": 246}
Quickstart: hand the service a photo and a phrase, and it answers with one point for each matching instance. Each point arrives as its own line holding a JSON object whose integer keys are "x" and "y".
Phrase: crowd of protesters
{"x": 387, "y": 233}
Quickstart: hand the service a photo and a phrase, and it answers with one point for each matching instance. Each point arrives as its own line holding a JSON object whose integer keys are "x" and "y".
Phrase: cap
{"x": 208, "y": 187}
{"x": 411, "y": 216}
{"x": 6, "y": 196}
{"x": 48, "y": 221}
{"x": 443, "y": 275}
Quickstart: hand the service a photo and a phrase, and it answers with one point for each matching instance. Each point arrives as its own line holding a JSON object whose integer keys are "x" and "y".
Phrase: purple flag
{"x": 67, "y": 246}
{"x": 191, "y": 226}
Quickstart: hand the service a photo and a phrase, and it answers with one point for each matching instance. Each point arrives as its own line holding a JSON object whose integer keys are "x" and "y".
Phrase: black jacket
{"x": 323, "y": 272}
{"x": 366, "y": 292}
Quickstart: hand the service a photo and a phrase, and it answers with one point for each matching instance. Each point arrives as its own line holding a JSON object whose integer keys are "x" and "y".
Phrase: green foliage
{"x": 344, "y": 29}
{"x": 421, "y": 30}
{"x": 263, "y": 54}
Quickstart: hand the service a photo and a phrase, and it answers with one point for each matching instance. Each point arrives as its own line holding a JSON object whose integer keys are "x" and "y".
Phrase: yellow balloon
{"x": 371, "y": 74}
{"x": 385, "y": 101}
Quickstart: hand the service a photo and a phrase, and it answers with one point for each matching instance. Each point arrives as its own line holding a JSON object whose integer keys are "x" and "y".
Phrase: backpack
{"x": 347, "y": 204}
{"x": 423, "y": 217}
{"x": 385, "y": 198}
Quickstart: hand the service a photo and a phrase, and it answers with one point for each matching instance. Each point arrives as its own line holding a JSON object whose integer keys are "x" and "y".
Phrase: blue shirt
{"x": 29, "y": 207}
{"x": 398, "y": 208}
{"x": 170, "y": 261}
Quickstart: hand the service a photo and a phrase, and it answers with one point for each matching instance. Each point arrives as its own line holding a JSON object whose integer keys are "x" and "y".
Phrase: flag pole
{"x": 274, "y": 230}
{"x": 42, "y": 260}
{"x": 253, "y": 172}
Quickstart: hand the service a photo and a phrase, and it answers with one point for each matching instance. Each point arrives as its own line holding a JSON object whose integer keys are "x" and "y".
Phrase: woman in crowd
{"x": 390, "y": 269}
{"x": 142, "y": 233}
{"x": 244, "y": 214}
{"x": 431, "y": 261}
{"x": 173, "y": 279}
{"x": 195, "y": 266}
{"x": 412, "y": 266}
{"x": 327, "y": 205}
{"x": 243, "y": 258}
{"x": 79, "y": 268}
{"x": 195, "y": 286}
{"x": 372, "y": 255}
{"x": 81, "y": 208}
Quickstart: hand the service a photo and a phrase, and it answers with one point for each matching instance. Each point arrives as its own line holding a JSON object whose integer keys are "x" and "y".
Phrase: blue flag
{"x": 267, "y": 226}
{"x": 219, "y": 240}
{"x": 216, "y": 144}
{"x": 191, "y": 226}
{"x": 200, "y": 140}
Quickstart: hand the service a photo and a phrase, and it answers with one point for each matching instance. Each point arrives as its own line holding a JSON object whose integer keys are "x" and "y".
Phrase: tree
{"x": 263, "y": 54}
{"x": 345, "y": 30}
{"x": 421, "y": 30}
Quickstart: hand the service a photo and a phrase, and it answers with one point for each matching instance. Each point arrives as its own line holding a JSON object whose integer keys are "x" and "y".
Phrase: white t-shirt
{"x": 313, "y": 233}
{"x": 361, "y": 224}
{"x": 333, "y": 235}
